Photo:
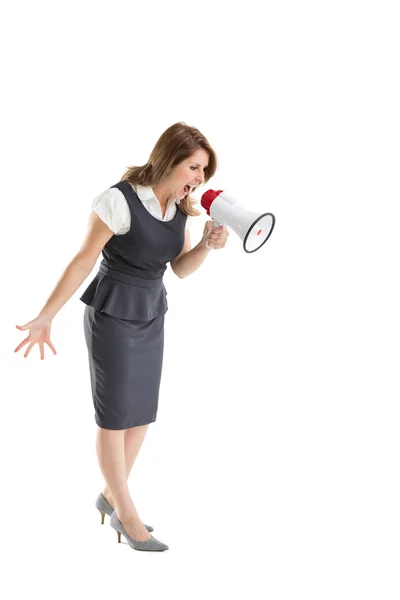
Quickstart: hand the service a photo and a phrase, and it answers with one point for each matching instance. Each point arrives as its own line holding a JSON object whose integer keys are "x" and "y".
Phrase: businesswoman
{"x": 139, "y": 224}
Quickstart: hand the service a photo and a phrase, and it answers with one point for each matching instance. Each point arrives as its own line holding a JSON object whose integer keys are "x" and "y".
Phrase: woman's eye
{"x": 193, "y": 167}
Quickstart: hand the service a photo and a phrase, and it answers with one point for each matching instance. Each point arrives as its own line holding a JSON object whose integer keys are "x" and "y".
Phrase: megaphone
{"x": 254, "y": 229}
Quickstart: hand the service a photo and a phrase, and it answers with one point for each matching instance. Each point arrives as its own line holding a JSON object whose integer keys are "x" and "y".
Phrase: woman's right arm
{"x": 97, "y": 236}
{"x": 79, "y": 268}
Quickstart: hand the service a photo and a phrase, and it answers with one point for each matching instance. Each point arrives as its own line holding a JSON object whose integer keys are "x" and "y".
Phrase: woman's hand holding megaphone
{"x": 214, "y": 235}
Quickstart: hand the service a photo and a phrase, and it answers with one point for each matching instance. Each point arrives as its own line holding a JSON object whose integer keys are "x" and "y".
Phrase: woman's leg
{"x": 110, "y": 447}
{"x": 133, "y": 439}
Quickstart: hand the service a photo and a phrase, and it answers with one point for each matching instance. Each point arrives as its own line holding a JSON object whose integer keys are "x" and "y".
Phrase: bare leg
{"x": 133, "y": 439}
{"x": 110, "y": 447}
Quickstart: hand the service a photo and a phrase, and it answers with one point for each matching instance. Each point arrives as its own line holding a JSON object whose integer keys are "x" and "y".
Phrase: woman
{"x": 139, "y": 225}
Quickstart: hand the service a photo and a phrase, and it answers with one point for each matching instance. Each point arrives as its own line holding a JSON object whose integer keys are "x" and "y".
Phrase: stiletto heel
{"x": 151, "y": 544}
{"x": 119, "y": 537}
{"x": 105, "y": 509}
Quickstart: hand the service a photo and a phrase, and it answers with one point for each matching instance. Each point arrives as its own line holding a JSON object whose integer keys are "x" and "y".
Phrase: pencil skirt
{"x": 125, "y": 361}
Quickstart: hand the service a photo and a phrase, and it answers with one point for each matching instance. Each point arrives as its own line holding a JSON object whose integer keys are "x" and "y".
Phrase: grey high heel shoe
{"x": 105, "y": 508}
{"x": 151, "y": 544}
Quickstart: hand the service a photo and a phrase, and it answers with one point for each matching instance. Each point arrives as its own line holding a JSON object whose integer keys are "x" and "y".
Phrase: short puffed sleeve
{"x": 113, "y": 209}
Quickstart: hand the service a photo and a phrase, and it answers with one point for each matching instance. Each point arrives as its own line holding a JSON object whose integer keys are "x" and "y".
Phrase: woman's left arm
{"x": 190, "y": 259}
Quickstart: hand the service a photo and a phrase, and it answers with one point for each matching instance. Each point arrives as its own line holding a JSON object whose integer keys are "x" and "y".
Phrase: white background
{"x": 272, "y": 469}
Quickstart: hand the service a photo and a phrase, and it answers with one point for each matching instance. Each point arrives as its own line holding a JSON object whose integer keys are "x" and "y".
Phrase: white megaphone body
{"x": 253, "y": 228}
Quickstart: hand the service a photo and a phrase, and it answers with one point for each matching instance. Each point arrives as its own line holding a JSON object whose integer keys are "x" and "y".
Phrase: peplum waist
{"x": 126, "y": 296}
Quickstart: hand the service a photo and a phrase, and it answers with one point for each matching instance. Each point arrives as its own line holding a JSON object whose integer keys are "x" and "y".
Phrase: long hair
{"x": 177, "y": 143}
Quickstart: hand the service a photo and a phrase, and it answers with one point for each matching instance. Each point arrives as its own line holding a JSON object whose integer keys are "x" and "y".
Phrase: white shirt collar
{"x": 146, "y": 193}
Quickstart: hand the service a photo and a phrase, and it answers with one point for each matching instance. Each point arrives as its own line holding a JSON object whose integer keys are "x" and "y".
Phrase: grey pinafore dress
{"x": 124, "y": 317}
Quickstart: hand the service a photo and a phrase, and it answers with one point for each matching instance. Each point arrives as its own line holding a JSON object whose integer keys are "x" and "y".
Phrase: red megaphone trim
{"x": 208, "y": 198}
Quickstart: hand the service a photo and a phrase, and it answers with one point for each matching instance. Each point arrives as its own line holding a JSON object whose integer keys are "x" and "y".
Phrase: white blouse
{"x": 113, "y": 209}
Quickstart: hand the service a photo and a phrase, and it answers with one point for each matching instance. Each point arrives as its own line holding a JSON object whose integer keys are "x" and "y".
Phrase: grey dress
{"x": 124, "y": 317}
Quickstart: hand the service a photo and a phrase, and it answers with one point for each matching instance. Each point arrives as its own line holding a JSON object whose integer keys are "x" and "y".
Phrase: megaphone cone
{"x": 253, "y": 228}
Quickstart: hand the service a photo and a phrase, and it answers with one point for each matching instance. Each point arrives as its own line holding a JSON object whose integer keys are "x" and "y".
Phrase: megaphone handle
{"x": 214, "y": 226}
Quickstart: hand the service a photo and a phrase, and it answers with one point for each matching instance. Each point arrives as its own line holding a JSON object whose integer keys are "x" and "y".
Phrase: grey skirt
{"x": 125, "y": 360}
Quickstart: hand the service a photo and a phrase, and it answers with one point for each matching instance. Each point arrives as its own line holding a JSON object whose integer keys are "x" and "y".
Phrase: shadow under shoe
{"x": 152, "y": 545}
{"x": 106, "y": 509}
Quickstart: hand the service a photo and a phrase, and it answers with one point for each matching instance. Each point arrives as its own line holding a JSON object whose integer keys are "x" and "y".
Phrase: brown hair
{"x": 177, "y": 143}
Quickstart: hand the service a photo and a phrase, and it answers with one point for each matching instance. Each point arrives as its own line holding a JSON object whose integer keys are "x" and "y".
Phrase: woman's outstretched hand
{"x": 39, "y": 333}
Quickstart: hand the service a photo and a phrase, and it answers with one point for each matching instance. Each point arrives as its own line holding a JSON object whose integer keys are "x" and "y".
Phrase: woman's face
{"x": 188, "y": 174}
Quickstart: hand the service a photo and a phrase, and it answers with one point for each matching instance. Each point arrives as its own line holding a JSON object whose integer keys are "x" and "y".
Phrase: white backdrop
{"x": 272, "y": 468}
